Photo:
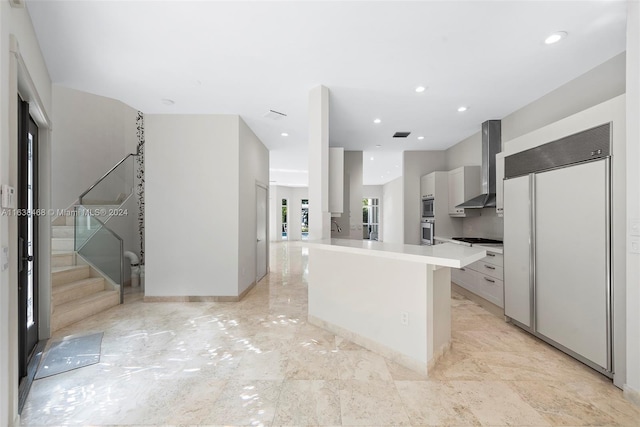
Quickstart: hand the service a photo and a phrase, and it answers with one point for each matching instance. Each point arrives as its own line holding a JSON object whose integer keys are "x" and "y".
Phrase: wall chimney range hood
{"x": 491, "y": 145}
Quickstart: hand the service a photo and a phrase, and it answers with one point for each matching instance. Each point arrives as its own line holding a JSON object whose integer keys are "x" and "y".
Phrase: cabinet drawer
{"x": 493, "y": 258}
{"x": 491, "y": 289}
{"x": 482, "y": 267}
{"x": 465, "y": 277}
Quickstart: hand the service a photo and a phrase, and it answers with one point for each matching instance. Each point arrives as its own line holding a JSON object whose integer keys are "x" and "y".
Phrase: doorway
{"x": 285, "y": 231}
{"x": 262, "y": 201}
{"x": 304, "y": 223}
{"x": 27, "y": 208}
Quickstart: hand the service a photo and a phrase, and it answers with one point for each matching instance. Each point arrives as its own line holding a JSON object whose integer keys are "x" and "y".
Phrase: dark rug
{"x": 70, "y": 353}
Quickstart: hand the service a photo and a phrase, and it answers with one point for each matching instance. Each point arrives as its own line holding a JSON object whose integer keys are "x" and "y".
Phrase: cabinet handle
{"x": 489, "y": 280}
{"x": 490, "y": 254}
{"x": 489, "y": 267}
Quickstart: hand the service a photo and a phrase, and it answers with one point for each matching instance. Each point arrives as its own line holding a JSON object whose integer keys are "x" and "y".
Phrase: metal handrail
{"x": 104, "y": 176}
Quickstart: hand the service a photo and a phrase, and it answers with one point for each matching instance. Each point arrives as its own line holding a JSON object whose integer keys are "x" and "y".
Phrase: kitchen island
{"x": 392, "y": 299}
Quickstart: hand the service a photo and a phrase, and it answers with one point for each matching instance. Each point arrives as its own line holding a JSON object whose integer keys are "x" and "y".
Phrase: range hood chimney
{"x": 491, "y": 145}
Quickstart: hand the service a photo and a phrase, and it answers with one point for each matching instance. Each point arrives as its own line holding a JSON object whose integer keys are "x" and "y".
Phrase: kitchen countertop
{"x": 445, "y": 255}
{"x": 498, "y": 249}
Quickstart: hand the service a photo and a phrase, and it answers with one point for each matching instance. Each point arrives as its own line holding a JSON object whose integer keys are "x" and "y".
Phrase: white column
{"x": 632, "y": 388}
{"x": 319, "y": 216}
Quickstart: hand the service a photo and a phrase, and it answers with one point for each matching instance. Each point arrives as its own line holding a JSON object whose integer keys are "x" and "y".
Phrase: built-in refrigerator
{"x": 557, "y": 244}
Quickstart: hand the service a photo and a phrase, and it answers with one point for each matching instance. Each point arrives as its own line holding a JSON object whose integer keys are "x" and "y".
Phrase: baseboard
{"x": 186, "y": 298}
{"x": 382, "y": 350}
{"x": 487, "y": 305}
{"x": 631, "y": 395}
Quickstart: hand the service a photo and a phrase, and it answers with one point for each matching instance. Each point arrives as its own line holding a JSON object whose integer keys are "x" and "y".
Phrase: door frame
{"x": 25, "y": 338}
{"x": 266, "y": 189}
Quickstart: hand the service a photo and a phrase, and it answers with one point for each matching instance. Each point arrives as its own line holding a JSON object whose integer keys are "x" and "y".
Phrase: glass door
{"x": 305, "y": 219}
{"x": 27, "y": 205}
{"x": 370, "y": 219}
{"x": 284, "y": 220}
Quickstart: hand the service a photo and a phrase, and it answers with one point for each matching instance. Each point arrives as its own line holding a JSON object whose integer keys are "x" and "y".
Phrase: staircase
{"x": 78, "y": 290}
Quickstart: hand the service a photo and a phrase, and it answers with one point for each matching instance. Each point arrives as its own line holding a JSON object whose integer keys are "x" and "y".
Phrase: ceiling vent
{"x": 17, "y": 3}
{"x": 274, "y": 115}
{"x": 401, "y": 134}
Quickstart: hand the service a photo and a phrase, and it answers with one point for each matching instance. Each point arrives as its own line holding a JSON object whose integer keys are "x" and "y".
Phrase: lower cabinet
{"x": 484, "y": 278}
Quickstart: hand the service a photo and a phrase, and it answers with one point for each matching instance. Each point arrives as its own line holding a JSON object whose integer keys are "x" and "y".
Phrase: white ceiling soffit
{"x": 251, "y": 57}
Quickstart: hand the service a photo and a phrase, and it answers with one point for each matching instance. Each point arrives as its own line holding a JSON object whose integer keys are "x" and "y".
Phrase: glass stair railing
{"x": 93, "y": 239}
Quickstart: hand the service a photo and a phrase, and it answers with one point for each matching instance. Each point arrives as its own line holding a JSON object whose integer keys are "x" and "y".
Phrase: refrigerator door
{"x": 517, "y": 220}
{"x": 571, "y": 258}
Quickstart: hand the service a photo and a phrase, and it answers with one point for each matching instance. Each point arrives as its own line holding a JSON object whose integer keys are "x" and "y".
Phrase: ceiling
{"x": 251, "y": 57}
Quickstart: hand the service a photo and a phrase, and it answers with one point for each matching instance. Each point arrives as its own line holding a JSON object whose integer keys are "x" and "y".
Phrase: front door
{"x": 261, "y": 220}
{"x": 27, "y": 204}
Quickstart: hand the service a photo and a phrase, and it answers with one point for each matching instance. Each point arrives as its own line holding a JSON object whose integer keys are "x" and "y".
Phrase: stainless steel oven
{"x": 428, "y": 208}
{"x": 428, "y": 233}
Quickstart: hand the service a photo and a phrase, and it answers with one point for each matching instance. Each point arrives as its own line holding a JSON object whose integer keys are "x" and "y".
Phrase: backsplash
{"x": 488, "y": 225}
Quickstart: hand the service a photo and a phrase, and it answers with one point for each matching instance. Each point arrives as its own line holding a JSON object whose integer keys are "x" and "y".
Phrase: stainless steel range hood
{"x": 491, "y": 145}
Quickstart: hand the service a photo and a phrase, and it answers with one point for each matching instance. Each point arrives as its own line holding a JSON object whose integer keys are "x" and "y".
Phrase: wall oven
{"x": 428, "y": 233}
{"x": 428, "y": 209}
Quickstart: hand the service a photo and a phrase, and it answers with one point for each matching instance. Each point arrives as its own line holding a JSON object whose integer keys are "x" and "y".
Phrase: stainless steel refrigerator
{"x": 557, "y": 244}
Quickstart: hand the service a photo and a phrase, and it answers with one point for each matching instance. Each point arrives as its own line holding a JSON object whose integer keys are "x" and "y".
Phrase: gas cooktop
{"x": 477, "y": 240}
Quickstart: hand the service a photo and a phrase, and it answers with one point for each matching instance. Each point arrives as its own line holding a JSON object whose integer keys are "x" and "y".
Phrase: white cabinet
{"x": 484, "y": 278}
{"x": 464, "y": 184}
{"x": 500, "y": 184}
{"x": 428, "y": 185}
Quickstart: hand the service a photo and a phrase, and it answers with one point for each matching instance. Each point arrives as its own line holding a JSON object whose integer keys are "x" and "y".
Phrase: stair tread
{"x": 84, "y": 300}
{"x": 69, "y": 268}
{"x": 78, "y": 283}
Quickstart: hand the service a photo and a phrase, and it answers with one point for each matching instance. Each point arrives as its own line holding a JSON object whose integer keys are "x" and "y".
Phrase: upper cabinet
{"x": 464, "y": 183}
{"x": 499, "y": 184}
{"x": 428, "y": 185}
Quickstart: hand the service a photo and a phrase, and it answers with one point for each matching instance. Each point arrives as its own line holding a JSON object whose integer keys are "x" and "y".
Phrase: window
{"x": 370, "y": 219}
{"x": 305, "y": 219}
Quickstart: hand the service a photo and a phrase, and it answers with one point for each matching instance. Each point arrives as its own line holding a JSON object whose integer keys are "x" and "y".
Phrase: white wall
{"x": 467, "y": 152}
{"x": 632, "y": 388}
{"x": 319, "y": 216}
{"x": 191, "y": 210}
{"x": 393, "y": 219}
{"x": 414, "y": 165}
{"x": 91, "y": 134}
{"x": 16, "y": 22}
{"x": 253, "y": 170}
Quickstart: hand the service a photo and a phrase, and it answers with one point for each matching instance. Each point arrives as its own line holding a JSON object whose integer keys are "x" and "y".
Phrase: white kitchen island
{"x": 392, "y": 299}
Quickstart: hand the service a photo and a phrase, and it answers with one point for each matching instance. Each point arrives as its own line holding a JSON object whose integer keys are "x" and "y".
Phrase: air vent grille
{"x": 401, "y": 134}
{"x": 274, "y": 115}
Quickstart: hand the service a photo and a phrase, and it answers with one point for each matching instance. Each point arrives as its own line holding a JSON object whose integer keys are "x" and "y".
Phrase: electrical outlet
{"x": 635, "y": 245}
{"x": 404, "y": 318}
{"x": 634, "y": 226}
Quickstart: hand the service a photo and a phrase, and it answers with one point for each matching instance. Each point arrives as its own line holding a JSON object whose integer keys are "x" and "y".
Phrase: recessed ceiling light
{"x": 462, "y": 109}
{"x": 421, "y": 138}
{"x": 420, "y": 89}
{"x": 378, "y": 145}
{"x": 167, "y": 101}
{"x": 371, "y": 158}
{"x": 555, "y": 37}
{"x": 284, "y": 134}
{"x": 376, "y": 121}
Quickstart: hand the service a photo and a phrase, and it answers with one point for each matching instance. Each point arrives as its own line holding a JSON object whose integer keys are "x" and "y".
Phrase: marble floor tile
{"x": 362, "y": 365}
{"x": 259, "y": 362}
{"x": 308, "y": 403}
{"x": 246, "y": 403}
{"x": 494, "y": 403}
{"x": 370, "y": 403}
{"x": 435, "y": 403}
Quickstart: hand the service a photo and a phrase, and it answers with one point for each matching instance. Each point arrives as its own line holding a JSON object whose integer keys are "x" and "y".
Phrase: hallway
{"x": 258, "y": 362}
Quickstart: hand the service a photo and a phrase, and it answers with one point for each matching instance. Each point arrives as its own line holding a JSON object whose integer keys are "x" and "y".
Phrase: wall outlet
{"x": 634, "y": 227}
{"x": 404, "y": 318}
{"x": 635, "y": 245}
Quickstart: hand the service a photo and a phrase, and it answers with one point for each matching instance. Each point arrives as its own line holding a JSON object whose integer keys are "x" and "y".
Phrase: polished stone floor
{"x": 258, "y": 362}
